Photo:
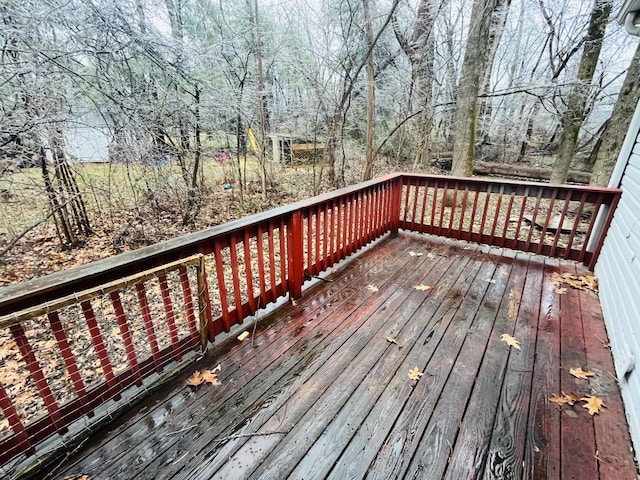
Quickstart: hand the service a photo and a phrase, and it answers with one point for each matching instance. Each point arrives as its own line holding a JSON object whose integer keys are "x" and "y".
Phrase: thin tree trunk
{"x": 576, "y": 109}
{"x": 257, "y": 41}
{"x": 473, "y": 72}
{"x": 368, "y": 169}
{"x": 613, "y": 136}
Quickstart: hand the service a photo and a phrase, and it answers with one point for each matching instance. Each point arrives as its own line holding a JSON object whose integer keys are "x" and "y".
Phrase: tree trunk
{"x": 576, "y": 108}
{"x": 498, "y": 22}
{"x": 613, "y": 136}
{"x": 473, "y": 72}
{"x": 257, "y": 41}
{"x": 368, "y": 169}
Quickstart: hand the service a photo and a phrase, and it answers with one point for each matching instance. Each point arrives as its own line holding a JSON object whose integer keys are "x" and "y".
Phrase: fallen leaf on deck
{"x": 561, "y": 291}
{"x": 210, "y": 376}
{"x": 294, "y": 303}
{"x": 243, "y": 336}
{"x": 585, "y": 283}
{"x": 579, "y": 373}
{"x": 569, "y": 399}
{"x": 430, "y": 256}
{"x": 555, "y": 398}
{"x": 509, "y": 340}
{"x": 391, "y": 340}
{"x": 195, "y": 379}
{"x": 372, "y": 288}
{"x": 422, "y": 288}
{"x": 415, "y": 373}
{"x": 415, "y": 254}
{"x": 594, "y": 405}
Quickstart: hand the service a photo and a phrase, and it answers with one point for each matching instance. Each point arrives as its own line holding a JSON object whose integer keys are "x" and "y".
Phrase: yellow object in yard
{"x": 253, "y": 142}
{"x": 243, "y": 335}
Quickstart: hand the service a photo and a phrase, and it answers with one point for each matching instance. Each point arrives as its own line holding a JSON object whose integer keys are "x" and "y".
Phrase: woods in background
{"x": 517, "y": 82}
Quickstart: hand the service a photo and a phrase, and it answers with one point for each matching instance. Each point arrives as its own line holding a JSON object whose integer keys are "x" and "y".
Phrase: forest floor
{"x": 130, "y": 207}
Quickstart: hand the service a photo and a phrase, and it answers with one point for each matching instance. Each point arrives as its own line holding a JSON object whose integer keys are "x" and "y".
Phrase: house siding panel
{"x": 618, "y": 269}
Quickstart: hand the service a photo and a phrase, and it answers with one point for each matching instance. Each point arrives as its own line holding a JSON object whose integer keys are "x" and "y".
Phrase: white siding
{"x": 618, "y": 269}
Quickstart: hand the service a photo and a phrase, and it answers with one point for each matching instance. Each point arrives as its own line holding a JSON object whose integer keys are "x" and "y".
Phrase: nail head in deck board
{"x": 289, "y": 350}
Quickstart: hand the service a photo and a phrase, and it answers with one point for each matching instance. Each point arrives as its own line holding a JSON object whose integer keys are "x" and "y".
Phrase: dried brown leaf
{"x": 509, "y": 340}
{"x": 391, "y": 340}
{"x": 415, "y": 373}
{"x": 579, "y": 373}
{"x": 211, "y": 377}
{"x": 422, "y": 288}
{"x": 195, "y": 379}
{"x": 559, "y": 399}
{"x": 593, "y": 404}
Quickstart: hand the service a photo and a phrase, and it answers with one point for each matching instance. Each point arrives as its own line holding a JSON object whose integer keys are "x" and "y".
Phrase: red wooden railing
{"x": 550, "y": 220}
{"x": 76, "y": 346}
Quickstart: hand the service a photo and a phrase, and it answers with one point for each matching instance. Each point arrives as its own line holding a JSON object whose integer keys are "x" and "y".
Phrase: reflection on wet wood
{"x": 319, "y": 391}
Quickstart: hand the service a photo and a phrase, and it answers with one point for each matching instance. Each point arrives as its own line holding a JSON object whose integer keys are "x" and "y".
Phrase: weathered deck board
{"x": 322, "y": 393}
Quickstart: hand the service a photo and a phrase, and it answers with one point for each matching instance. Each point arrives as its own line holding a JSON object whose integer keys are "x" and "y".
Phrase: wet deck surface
{"x": 323, "y": 393}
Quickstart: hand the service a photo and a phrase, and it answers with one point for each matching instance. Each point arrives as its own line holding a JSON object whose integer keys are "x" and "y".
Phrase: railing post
{"x": 396, "y": 202}
{"x": 603, "y": 222}
{"x": 295, "y": 257}
{"x": 204, "y": 305}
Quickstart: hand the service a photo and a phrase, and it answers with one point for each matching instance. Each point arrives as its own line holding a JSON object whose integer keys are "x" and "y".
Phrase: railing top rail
{"x": 500, "y": 181}
{"x": 62, "y": 283}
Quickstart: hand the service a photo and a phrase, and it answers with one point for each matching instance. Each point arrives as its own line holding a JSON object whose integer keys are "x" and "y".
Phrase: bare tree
{"x": 575, "y": 114}
{"x": 474, "y": 67}
{"x": 617, "y": 125}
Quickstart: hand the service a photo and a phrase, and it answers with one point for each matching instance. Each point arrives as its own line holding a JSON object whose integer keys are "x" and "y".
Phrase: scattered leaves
{"x": 586, "y": 283}
{"x": 415, "y": 254}
{"x": 579, "y": 373}
{"x": 415, "y": 373}
{"x": 392, "y": 340}
{"x": 422, "y": 288}
{"x": 198, "y": 378}
{"x": 593, "y": 404}
{"x": 509, "y": 340}
{"x": 372, "y": 288}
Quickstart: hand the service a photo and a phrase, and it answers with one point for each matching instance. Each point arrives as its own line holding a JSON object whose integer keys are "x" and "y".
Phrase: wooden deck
{"x": 321, "y": 392}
